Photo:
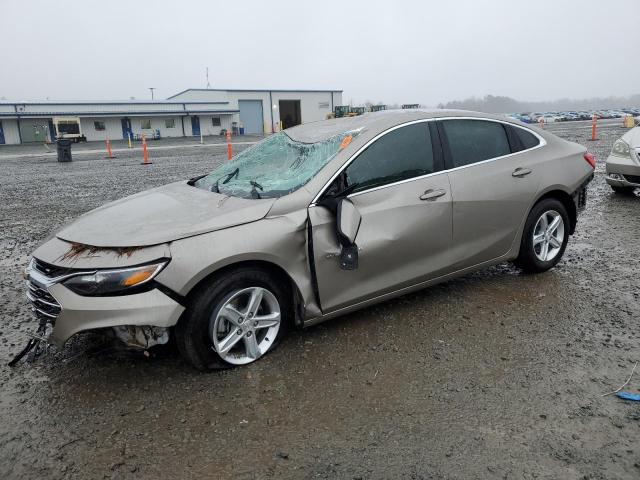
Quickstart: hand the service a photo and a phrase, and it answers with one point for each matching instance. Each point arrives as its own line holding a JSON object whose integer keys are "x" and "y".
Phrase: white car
{"x": 623, "y": 164}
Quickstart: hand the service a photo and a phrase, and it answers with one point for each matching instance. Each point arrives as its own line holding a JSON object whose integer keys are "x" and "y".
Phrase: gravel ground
{"x": 494, "y": 375}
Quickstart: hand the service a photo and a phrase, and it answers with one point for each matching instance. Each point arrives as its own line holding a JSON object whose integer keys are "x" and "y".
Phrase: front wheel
{"x": 234, "y": 320}
{"x": 545, "y": 236}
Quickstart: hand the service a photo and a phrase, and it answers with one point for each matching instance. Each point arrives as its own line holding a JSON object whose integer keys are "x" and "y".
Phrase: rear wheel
{"x": 234, "y": 320}
{"x": 545, "y": 236}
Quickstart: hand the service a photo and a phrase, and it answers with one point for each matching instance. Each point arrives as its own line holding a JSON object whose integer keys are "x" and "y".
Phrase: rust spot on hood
{"x": 78, "y": 249}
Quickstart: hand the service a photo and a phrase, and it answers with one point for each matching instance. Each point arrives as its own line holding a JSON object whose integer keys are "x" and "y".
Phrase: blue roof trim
{"x": 251, "y": 90}
{"x": 178, "y": 113}
{"x": 133, "y": 102}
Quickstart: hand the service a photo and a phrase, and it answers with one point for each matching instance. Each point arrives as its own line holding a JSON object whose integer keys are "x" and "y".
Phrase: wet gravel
{"x": 493, "y": 375}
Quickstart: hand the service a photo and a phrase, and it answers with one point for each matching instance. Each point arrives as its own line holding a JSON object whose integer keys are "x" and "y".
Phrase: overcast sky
{"x": 390, "y": 51}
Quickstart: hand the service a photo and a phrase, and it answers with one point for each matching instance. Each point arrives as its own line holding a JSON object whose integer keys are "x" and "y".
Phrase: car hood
{"x": 632, "y": 137}
{"x": 161, "y": 215}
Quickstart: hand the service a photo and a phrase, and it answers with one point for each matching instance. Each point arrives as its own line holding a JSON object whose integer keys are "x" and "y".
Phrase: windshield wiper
{"x": 231, "y": 175}
{"x": 254, "y": 192}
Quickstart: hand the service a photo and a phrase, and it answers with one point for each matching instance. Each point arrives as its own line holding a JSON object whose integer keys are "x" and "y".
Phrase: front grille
{"x": 42, "y": 303}
{"x": 49, "y": 270}
{"x": 632, "y": 178}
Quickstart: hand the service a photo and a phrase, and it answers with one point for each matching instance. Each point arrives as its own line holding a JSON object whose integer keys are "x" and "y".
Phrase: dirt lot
{"x": 494, "y": 375}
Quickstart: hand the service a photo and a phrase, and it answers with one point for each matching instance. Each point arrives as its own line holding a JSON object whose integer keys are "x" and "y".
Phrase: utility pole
{"x": 152, "y": 89}
{"x": 208, "y": 84}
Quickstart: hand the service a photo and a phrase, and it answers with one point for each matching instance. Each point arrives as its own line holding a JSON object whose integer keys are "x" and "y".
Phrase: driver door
{"x": 404, "y": 198}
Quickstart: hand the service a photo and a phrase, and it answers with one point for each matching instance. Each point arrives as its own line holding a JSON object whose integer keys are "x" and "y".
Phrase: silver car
{"x": 309, "y": 224}
{"x": 623, "y": 164}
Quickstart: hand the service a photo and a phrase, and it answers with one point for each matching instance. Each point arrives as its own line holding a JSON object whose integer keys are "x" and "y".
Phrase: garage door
{"x": 34, "y": 130}
{"x": 251, "y": 116}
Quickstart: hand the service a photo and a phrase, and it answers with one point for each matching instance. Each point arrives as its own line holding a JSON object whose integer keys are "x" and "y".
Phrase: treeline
{"x": 497, "y": 104}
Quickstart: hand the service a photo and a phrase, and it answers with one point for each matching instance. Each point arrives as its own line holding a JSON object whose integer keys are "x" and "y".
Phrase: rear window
{"x": 528, "y": 139}
{"x": 472, "y": 141}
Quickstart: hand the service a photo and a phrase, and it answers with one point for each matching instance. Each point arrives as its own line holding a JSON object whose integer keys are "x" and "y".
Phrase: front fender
{"x": 280, "y": 241}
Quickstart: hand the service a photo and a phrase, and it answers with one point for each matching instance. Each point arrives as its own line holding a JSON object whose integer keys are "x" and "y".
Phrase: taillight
{"x": 591, "y": 160}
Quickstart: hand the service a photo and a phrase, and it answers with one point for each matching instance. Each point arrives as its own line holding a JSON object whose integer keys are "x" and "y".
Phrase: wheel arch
{"x": 271, "y": 268}
{"x": 566, "y": 199}
{"x": 558, "y": 193}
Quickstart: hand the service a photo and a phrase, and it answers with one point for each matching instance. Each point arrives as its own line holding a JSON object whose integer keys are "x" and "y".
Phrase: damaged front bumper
{"x": 78, "y": 313}
{"x": 140, "y": 319}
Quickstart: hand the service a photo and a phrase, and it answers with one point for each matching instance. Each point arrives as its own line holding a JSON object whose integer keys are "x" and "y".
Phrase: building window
{"x": 99, "y": 126}
{"x": 170, "y": 123}
{"x": 216, "y": 121}
{"x": 145, "y": 124}
{"x": 323, "y": 104}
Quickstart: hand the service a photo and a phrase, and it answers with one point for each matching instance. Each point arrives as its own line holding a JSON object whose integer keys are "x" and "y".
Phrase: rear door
{"x": 494, "y": 178}
{"x": 404, "y": 198}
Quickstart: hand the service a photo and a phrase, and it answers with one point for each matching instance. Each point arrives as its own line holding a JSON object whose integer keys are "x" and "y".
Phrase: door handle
{"x": 520, "y": 172}
{"x": 432, "y": 194}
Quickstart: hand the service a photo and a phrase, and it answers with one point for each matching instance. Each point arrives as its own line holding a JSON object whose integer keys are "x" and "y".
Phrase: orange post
{"x": 594, "y": 126}
{"x": 109, "y": 153}
{"x": 229, "y": 148}
{"x": 145, "y": 155}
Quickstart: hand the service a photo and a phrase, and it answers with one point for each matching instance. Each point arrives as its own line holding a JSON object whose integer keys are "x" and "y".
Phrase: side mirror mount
{"x": 348, "y": 220}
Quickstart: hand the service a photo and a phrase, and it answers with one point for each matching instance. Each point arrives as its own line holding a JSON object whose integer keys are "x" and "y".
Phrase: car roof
{"x": 373, "y": 123}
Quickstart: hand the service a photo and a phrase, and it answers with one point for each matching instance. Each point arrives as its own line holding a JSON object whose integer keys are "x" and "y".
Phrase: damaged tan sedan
{"x": 311, "y": 223}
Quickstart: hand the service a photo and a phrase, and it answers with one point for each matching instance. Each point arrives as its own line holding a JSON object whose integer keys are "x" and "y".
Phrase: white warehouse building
{"x": 193, "y": 112}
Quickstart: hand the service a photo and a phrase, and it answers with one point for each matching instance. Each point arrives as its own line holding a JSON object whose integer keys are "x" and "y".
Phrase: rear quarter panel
{"x": 561, "y": 167}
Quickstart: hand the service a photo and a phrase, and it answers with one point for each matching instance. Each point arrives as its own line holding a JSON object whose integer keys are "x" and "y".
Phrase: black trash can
{"x": 64, "y": 149}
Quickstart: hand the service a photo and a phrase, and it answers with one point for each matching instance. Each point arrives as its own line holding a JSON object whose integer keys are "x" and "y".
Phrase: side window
{"x": 527, "y": 139}
{"x": 472, "y": 141}
{"x": 401, "y": 154}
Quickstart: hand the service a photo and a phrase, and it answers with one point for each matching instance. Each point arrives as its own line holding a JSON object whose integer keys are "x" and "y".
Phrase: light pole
{"x": 152, "y": 89}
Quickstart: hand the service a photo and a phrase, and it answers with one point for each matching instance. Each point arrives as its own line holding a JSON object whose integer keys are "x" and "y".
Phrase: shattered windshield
{"x": 274, "y": 167}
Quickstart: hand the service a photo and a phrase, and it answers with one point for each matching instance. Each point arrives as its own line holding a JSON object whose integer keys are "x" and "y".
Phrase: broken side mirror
{"x": 348, "y": 223}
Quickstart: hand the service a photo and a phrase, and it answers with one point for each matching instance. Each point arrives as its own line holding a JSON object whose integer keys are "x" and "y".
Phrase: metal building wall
{"x": 314, "y": 105}
{"x": 113, "y": 128}
{"x": 206, "y": 124}
{"x": 157, "y": 123}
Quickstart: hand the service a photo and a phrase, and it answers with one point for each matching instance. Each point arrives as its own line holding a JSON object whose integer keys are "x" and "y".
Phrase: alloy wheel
{"x": 548, "y": 235}
{"x": 246, "y": 325}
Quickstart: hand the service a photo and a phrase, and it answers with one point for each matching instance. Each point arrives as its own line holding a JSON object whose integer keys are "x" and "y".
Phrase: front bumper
{"x": 70, "y": 313}
{"x": 622, "y": 171}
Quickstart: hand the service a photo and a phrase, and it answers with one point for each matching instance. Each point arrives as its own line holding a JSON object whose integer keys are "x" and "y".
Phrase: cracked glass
{"x": 276, "y": 166}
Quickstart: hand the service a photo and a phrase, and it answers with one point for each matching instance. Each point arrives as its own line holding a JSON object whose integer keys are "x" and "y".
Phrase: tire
{"x": 194, "y": 333}
{"x": 531, "y": 258}
{"x": 622, "y": 190}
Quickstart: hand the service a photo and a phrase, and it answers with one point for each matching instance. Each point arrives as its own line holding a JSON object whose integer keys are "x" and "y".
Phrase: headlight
{"x": 620, "y": 149}
{"x": 105, "y": 282}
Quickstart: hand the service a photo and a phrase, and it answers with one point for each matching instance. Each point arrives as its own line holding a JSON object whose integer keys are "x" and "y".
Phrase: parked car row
{"x": 566, "y": 116}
